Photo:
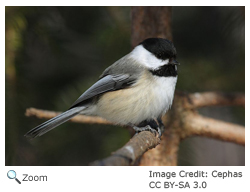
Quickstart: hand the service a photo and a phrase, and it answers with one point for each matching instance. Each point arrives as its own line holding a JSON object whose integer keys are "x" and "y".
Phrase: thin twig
{"x": 205, "y": 99}
{"x": 208, "y": 127}
{"x": 129, "y": 153}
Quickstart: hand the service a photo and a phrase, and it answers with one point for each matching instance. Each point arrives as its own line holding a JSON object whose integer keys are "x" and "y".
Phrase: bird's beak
{"x": 174, "y": 62}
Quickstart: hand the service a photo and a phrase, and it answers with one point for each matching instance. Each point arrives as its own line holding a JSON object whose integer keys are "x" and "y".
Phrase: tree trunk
{"x": 156, "y": 22}
{"x": 150, "y": 22}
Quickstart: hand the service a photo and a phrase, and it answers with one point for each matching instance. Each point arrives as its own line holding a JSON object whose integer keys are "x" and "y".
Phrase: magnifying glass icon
{"x": 12, "y": 175}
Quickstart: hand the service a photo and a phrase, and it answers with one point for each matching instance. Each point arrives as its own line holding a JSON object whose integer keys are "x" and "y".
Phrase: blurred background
{"x": 53, "y": 54}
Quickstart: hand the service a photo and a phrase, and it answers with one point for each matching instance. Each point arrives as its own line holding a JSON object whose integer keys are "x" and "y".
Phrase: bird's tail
{"x": 54, "y": 122}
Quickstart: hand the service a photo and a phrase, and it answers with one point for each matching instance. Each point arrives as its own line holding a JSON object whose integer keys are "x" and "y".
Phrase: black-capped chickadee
{"x": 136, "y": 90}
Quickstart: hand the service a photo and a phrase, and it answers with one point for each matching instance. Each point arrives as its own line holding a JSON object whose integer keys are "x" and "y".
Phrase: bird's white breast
{"x": 148, "y": 98}
{"x": 164, "y": 93}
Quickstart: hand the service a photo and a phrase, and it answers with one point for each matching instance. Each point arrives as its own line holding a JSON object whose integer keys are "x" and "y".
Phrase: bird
{"x": 136, "y": 90}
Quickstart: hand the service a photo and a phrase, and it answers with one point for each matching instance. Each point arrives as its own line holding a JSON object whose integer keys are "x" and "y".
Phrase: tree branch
{"x": 181, "y": 121}
{"x": 196, "y": 124}
{"x": 44, "y": 114}
{"x": 127, "y": 155}
{"x": 205, "y": 99}
{"x": 134, "y": 149}
{"x": 166, "y": 153}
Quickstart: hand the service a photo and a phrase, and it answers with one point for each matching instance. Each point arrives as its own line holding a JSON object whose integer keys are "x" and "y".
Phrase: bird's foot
{"x": 148, "y": 128}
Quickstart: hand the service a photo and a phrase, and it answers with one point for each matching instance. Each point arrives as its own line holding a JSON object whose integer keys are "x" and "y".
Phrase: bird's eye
{"x": 172, "y": 59}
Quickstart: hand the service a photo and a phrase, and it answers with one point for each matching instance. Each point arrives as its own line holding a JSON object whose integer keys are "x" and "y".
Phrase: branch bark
{"x": 208, "y": 127}
{"x": 205, "y": 99}
{"x": 134, "y": 149}
{"x": 164, "y": 154}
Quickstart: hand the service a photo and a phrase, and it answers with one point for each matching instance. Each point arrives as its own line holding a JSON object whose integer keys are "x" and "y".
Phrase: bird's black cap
{"x": 161, "y": 48}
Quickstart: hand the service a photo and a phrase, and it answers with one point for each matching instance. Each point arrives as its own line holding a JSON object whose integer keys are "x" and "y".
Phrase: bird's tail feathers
{"x": 54, "y": 122}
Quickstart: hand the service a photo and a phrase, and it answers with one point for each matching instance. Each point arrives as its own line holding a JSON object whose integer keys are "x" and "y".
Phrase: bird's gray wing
{"x": 105, "y": 84}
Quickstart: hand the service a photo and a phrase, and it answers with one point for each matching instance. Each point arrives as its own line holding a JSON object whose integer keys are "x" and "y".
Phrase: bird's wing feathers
{"x": 105, "y": 84}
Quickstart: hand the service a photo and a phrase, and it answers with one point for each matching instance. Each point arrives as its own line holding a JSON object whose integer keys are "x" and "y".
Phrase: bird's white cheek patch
{"x": 144, "y": 57}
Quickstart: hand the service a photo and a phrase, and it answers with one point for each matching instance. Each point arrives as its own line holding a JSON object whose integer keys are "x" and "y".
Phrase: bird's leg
{"x": 161, "y": 125}
{"x": 153, "y": 126}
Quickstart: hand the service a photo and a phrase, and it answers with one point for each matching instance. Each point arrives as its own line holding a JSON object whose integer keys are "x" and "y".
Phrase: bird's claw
{"x": 148, "y": 128}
